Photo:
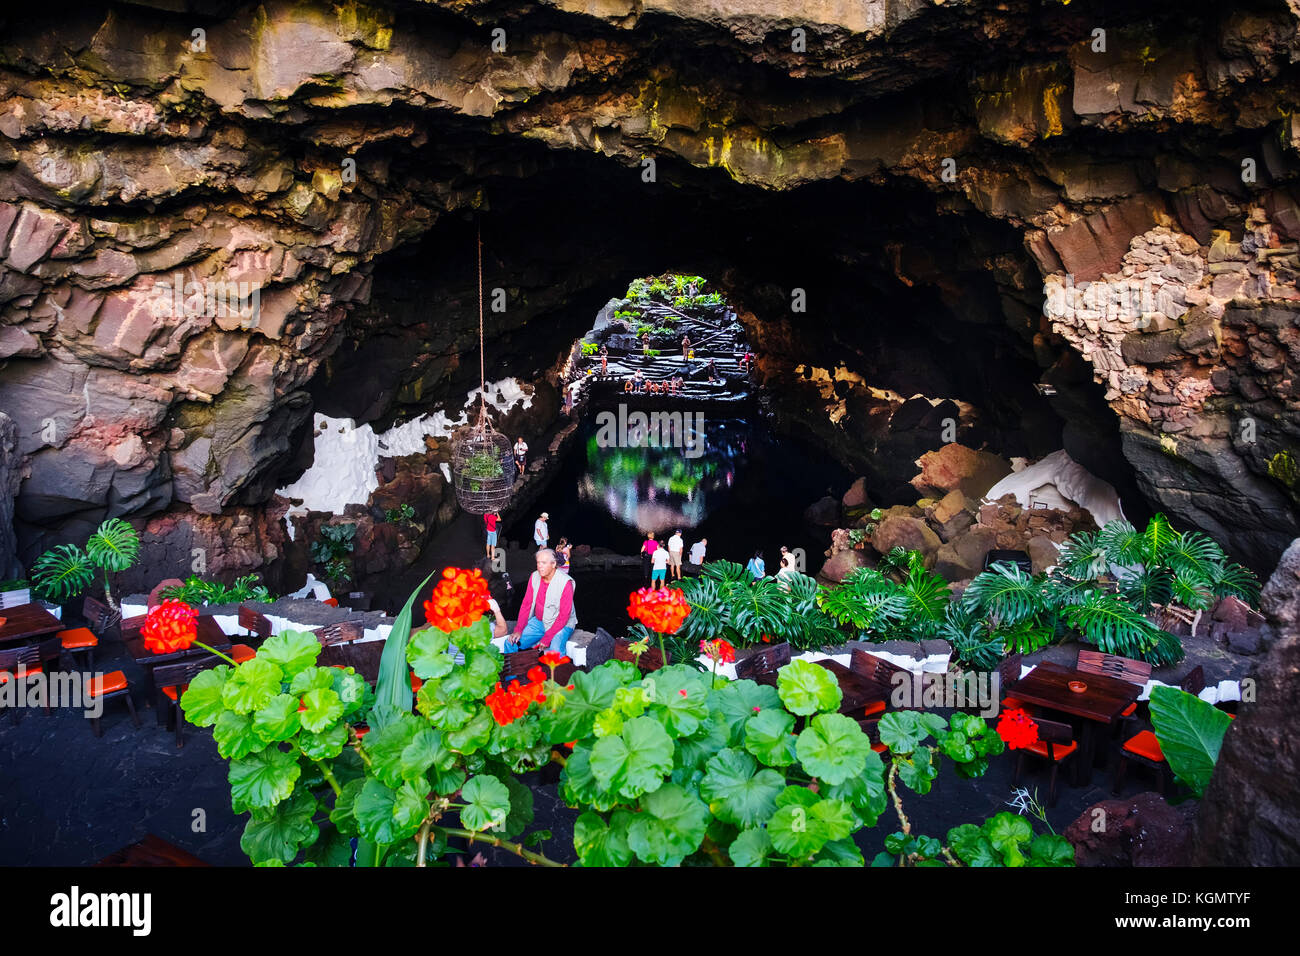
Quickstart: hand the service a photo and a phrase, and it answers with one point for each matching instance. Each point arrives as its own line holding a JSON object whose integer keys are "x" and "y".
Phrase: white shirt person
{"x": 541, "y": 531}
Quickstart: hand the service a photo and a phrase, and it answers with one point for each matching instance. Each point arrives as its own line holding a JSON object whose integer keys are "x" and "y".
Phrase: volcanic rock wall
{"x": 949, "y": 154}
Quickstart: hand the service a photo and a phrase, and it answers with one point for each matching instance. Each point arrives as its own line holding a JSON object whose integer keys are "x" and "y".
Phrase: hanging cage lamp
{"x": 483, "y": 462}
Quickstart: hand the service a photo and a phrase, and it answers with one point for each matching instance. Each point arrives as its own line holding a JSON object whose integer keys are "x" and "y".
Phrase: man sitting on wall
{"x": 547, "y": 615}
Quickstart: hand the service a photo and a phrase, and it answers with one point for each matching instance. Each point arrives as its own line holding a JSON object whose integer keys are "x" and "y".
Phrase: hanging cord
{"x": 482, "y": 375}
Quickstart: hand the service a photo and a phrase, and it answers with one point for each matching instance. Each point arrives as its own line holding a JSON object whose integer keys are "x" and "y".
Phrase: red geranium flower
{"x": 720, "y": 651}
{"x": 1017, "y": 729}
{"x": 459, "y": 600}
{"x": 553, "y": 659}
{"x": 171, "y": 626}
{"x": 659, "y": 609}
{"x": 511, "y": 702}
{"x": 536, "y": 675}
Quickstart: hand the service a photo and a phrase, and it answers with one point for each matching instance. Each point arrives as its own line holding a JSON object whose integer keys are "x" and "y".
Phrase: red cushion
{"x": 1059, "y": 751}
{"x": 7, "y": 676}
{"x": 77, "y": 638}
{"x": 241, "y": 653}
{"x": 106, "y": 684}
{"x": 332, "y": 602}
{"x": 1130, "y": 710}
{"x": 1145, "y": 745}
{"x": 170, "y": 691}
{"x": 877, "y": 707}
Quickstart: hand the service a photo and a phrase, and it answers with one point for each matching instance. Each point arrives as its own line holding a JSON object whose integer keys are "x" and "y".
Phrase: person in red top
{"x": 647, "y": 549}
{"x": 547, "y": 615}
{"x": 490, "y": 522}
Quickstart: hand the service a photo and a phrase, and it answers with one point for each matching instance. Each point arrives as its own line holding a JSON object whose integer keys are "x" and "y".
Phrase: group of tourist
{"x": 757, "y": 567}
{"x": 637, "y": 382}
{"x": 658, "y": 559}
{"x": 546, "y": 615}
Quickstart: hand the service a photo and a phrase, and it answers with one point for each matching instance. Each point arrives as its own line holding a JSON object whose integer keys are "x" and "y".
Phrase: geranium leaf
{"x": 323, "y": 708}
{"x": 291, "y": 651}
{"x": 737, "y": 791}
{"x": 602, "y": 844}
{"x": 385, "y": 815}
{"x": 278, "y": 720}
{"x": 251, "y": 685}
{"x": 202, "y": 701}
{"x": 635, "y": 761}
{"x": 806, "y": 688}
{"x": 768, "y": 737}
{"x": 833, "y": 748}
{"x": 670, "y": 826}
{"x": 427, "y": 654}
{"x": 487, "y": 803}
{"x": 751, "y": 848}
{"x": 263, "y": 779}
{"x": 278, "y": 834}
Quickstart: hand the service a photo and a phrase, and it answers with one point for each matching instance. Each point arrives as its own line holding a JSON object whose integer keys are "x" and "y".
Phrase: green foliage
{"x": 196, "y": 591}
{"x": 724, "y": 603}
{"x": 644, "y": 329}
{"x": 590, "y": 348}
{"x": 1190, "y": 732}
{"x": 331, "y": 551}
{"x": 63, "y": 572}
{"x": 882, "y": 608}
{"x": 402, "y": 513}
{"x": 482, "y": 464}
{"x": 1007, "y": 839}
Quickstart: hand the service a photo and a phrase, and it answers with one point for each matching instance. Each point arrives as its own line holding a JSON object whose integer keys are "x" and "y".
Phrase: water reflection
{"x": 653, "y": 488}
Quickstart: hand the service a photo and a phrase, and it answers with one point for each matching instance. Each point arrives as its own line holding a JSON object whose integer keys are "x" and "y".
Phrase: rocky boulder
{"x": 956, "y": 467}
{"x": 1249, "y": 815}
{"x": 1140, "y": 831}
{"x": 951, "y": 515}
{"x": 911, "y": 534}
{"x": 11, "y": 476}
{"x": 840, "y": 564}
{"x": 855, "y": 499}
{"x": 824, "y": 513}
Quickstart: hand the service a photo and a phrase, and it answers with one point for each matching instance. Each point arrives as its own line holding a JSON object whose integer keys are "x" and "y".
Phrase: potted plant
{"x": 64, "y": 572}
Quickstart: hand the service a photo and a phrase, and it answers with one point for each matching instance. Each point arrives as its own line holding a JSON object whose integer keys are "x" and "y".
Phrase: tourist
{"x": 541, "y": 530}
{"x": 500, "y": 627}
{"x": 787, "y": 569}
{"x": 681, "y": 382}
{"x": 521, "y": 454}
{"x": 697, "y": 551}
{"x": 713, "y": 371}
{"x": 490, "y": 522}
{"x": 562, "y": 552}
{"x": 638, "y": 381}
{"x": 628, "y": 386}
{"x": 686, "y": 346}
{"x": 648, "y": 548}
{"x": 604, "y": 360}
{"x": 756, "y": 566}
{"x": 675, "y": 546}
{"x": 659, "y": 565}
{"x": 547, "y": 616}
{"x": 645, "y": 345}
{"x": 744, "y": 362}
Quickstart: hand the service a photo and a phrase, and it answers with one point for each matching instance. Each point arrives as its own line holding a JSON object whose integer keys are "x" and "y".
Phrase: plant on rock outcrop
{"x": 62, "y": 573}
{"x": 331, "y": 551}
{"x": 197, "y": 591}
{"x": 912, "y": 608}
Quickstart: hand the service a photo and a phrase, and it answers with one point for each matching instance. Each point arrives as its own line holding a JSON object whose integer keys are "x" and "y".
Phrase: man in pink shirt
{"x": 547, "y": 615}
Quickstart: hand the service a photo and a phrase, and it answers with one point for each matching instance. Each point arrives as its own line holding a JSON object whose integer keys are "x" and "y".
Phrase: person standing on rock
{"x": 521, "y": 454}
{"x": 675, "y": 546}
{"x": 697, "y": 551}
{"x": 645, "y": 345}
{"x": 713, "y": 371}
{"x": 541, "y": 531}
{"x": 490, "y": 522}
{"x": 686, "y": 347}
{"x": 604, "y": 360}
{"x": 648, "y": 548}
{"x": 547, "y": 616}
{"x": 659, "y": 567}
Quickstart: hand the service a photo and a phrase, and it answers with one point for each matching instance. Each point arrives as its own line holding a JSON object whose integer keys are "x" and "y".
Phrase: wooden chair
{"x": 340, "y": 632}
{"x": 761, "y": 668}
{"x": 77, "y": 641}
{"x": 649, "y": 661}
{"x": 1144, "y": 748}
{"x": 1008, "y": 674}
{"x": 1112, "y": 665}
{"x": 872, "y": 730}
{"x": 107, "y": 687}
{"x": 255, "y": 623}
{"x": 21, "y": 663}
{"x": 173, "y": 679}
{"x": 877, "y": 672}
{"x": 1056, "y": 744}
{"x": 131, "y": 626}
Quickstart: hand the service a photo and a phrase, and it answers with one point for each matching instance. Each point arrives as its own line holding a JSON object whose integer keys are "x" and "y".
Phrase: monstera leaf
{"x": 1190, "y": 732}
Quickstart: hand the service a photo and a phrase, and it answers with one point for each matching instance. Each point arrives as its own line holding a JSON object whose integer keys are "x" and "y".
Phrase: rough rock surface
{"x": 1140, "y": 831}
{"x": 10, "y": 478}
{"x": 305, "y": 148}
{"x": 1250, "y": 815}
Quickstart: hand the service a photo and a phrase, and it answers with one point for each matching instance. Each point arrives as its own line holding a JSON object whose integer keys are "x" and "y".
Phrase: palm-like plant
{"x": 911, "y": 608}
{"x": 63, "y": 572}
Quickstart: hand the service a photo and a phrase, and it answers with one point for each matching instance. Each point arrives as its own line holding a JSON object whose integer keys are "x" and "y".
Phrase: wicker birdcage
{"x": 483, "y": 468}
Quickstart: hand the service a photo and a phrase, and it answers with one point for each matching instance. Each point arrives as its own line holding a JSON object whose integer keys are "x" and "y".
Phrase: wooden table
{"x": 857, "y": 691}
{"x": 151, "y": 851}
{"x": 1047, "y": 685}
{"x": 27, "y": 623}
{"x": 209, "y": 632}
{"x": 363, "y": 658}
